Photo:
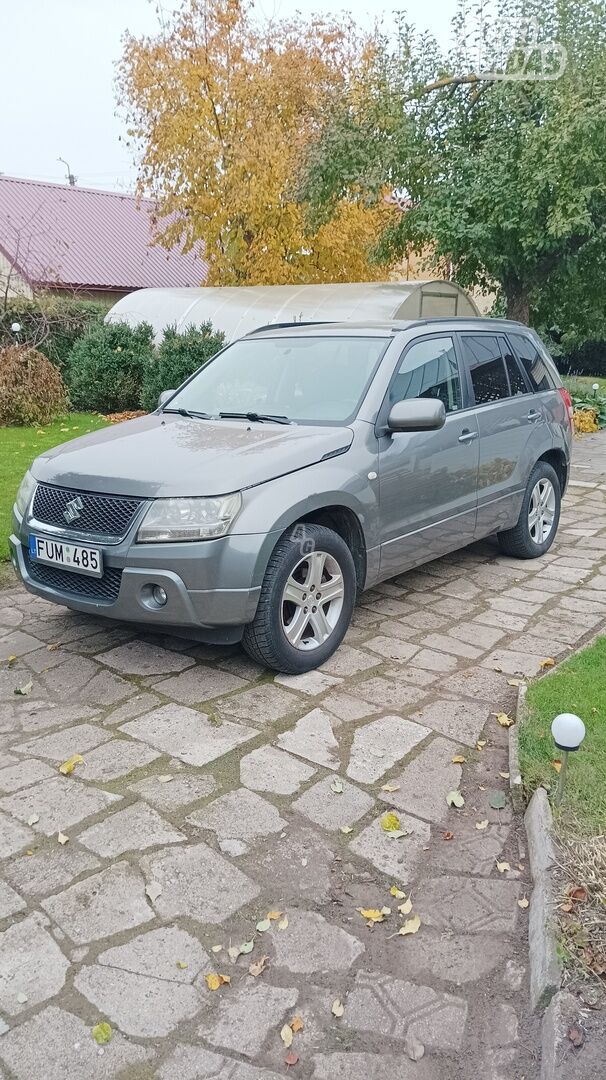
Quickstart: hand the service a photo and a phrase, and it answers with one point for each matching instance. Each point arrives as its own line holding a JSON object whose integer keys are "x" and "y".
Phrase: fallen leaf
{"x": 53, "y": 648}
{"x": 102, "y": 1033}
{"x": 504, "y": 775}
{"x": 372, "y": 914}
{"x": 515, "y": 682}
{"x": 23, "y": 691}
{"x": 481, "y": 743}
{"x": 406, "y": 907}
{"x": 297, "y": 1024}
{"x": 499, "y": 669}
{"x": 337, "y": 1008}
{"x": 164, "y": 779}
{"x": 258, "y": 966}
{"x": 263, "y": 925}
{"x": 497, "y": 800}
{"x": 181, "y": 964}
{"x": 458, "y": 759}
{"x": 390, "y": 787}
{"x": 414, "y": 1048}
{"x": 579, "y": 894}
{"x": 448, "y": 835}
{"x": 556, "y": 764}
{"x": 12, "y": 659}
{"x": 214, "y": 981}
{"x": 274, "y": 915}
{"x": 503, "y": 867}
{"x": 291, "y": 1058}
{"x": 454, "y": 798}
{"x": 283, "y": 923}
{"x": 576, "y": 1036}
{"x": 233, "y": 952}
{"x": 286, "y": 1035}
{"x": 547, "y": 663}
{"x": 524, "y": 902}
{"x": 481, "y": 825}
{"x": 385, "y": 911}
{"x": 62, "y": 838}
{"x": 394, "y": 891}
{"x": 68, "y": 766}
{"x": 22, "y": 998}
{"x": 390, "y": 822}
{"x": 337, "y": 786}
{"x": 397, "y": 834}
{"x": 153, "y": 890}
{"x": 247, "y": 947}
{"x": 504, "y": 720}
{"x": 346, "y": 829}
{"x": 216, "y": 948}
{"x": 33, "y": 819}
{"x": 410, "y": 926}
{"x": 567, "y": 907}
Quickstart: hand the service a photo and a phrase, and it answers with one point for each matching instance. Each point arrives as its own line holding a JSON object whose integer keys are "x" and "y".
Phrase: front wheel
{"x": 306, "y": 601}
{"x": 537, "y": 524}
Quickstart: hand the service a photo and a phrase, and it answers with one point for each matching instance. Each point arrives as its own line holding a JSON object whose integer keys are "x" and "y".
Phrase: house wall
{"x": 16, "y": 284}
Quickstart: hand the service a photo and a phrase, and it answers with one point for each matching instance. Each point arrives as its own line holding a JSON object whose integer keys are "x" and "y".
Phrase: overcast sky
{"x": 58, "y": 69}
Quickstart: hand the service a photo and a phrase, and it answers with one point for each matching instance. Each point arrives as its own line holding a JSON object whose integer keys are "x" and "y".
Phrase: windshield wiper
{"x": 255, "y": 416}
{"x": 190, "y": 415}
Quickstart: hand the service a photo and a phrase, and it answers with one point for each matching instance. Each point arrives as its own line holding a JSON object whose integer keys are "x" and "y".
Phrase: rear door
{"x": 427, "y": 478}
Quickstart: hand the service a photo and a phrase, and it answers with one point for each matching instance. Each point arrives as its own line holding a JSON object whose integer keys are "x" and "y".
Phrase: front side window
{"x": 429, "y": 369}
{"x": 532, "y": 362}
{"x": 486, "y": 367}
{"x": 305, "y": 379}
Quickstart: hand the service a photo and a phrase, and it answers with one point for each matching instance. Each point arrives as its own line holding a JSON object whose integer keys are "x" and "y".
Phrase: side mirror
{"x": 417, "y": 414}
{"x": 164, "y": 396}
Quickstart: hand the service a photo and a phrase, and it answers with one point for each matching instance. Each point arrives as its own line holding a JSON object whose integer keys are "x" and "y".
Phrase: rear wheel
{"x": 306, "y": 601}
{"x": 537, "y": 524}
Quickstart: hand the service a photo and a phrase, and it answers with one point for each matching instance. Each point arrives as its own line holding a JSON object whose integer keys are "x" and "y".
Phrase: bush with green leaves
{"x": 51, "y": 324}
{"x": 31, "y": 388}
{"x": 106, "y": 365}
{"x": 178, "y": 356}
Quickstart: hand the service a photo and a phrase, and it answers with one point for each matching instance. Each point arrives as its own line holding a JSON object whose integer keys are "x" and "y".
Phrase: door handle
{"x": 533, "y": 416}
{"x": 468, "y": 436}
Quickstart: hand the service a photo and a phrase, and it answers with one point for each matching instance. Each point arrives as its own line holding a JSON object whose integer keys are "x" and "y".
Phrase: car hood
{"x": 167, "y": 455}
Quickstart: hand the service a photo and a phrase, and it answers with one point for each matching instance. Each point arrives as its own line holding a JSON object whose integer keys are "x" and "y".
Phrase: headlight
{"x": 188, "y": 519}
{"x": 25, "y": 492}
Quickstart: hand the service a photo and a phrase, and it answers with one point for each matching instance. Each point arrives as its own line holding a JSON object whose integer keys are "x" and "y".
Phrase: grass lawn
{"x": 582, "y": 384}
{"x": 18, "y": 448}
{"x": 579, "y": 686}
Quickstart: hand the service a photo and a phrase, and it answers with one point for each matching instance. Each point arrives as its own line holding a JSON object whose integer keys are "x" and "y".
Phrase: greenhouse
{"x": 236, "y": 310}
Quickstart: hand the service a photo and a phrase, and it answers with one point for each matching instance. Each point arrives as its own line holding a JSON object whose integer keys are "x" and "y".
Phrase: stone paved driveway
{"x": 212, "y": 794}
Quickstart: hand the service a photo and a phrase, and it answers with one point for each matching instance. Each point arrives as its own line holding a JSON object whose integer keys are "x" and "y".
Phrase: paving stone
{"x": 106, "y": 689}
{"x": 501, "y": 1029}
{"x": 511, "y": 623}
{"x": 475, "y": 852}
{"x": 321, "y": 804}
{"x": 312, "y": 738}
{"x": 23, "y": 774}
{"x": 59, "y": 804}
{"x": 514, "y": 663}
{"x": 398, "y": 1009}
{"x": 198, "y": 684}
{"x": 311, "y": 682}
{"x": 400, "y": 858}
{"x": 141, "y": 658}
{"x": 133, "y": 829}
{"x": 310, "y": 944}
{"x": 349, "y": 661}
{"x": 270, "y": 769}
{"x": 296, "y": 867}
{"x": 135, "y": 706}
{"x": 462, "y": 721}
{"x": 10, "y": 901}
{"x": 62, "y": 744}
{"x": 34, "y": 717}
{"x": 377, "y": 746}
{"x": 46, "y": 872}
{"x": 239, "y": 815}
{"x": 157, "y": 953}
{"x": 184, "y": 788}
{"x": 354, "y": 1066}
{"x": 388, "y": 693}
{"x": 13, "y": 837}
{"x": 347, "y": 707}
{"x": 456, "y": 609}
{"x": 468, "y": 905}
{"x": 140, "y": 1005}
{"x": 197, "y": 883}
{"x": 39, "y": 1047}
{"x": 31, "y": 963}
{"x": 260, "y": 705}
{"x": 412, "y": 676}
{"x": 101, "y": 905}
{"x": 391, "y": 648}
{"x": 68, "y": 680}
{"x": 196, "y": 1063}
{"x": 483, "y": 684}
{"x": 187, "y": 734}
{"x": 434, "y": 661}
{"x": 426, "y": 781}
{"x": 448, "y": 644}
{"x": 243, "y": 1021}
{"x": 460, "y": 588}
{"x": 454, "y": 958}
{"x": 18, "y": 644}
{"x": 116, "y": 758}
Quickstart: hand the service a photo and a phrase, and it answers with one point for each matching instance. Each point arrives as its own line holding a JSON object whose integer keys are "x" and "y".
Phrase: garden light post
{"x": 16, "y": 329}
{"x": 595, "y": 388}
{"x": 568, "y": 732}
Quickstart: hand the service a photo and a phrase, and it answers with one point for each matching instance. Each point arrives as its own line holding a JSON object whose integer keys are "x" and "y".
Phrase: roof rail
{"x": 284, "y": 325}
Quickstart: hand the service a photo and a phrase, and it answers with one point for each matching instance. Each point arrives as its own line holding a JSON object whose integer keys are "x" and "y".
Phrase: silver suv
{"x": 303, "y": 464}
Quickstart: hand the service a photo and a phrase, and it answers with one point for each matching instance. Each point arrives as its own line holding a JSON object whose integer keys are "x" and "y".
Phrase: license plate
{"x": 81, "y": 560}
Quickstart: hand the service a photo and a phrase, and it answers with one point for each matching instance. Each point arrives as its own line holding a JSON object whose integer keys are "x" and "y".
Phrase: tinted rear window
{"x": 487, "y": 369}
{"x": 533, "y": 363}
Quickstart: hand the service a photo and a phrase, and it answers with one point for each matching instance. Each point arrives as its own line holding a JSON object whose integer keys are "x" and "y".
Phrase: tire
{"x": 280, "y": 637}
{"x": 522, "y": 542}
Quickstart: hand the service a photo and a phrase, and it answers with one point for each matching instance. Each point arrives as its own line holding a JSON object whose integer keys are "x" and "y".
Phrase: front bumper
{"x": 189, "y": 574}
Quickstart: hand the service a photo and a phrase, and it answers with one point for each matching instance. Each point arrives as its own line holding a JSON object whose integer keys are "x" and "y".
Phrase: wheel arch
{"x": 558, "y": 461}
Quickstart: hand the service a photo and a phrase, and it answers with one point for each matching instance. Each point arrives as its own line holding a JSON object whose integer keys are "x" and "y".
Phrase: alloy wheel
{"x": 312, "y": 600}
{"x": 541, "y": 511}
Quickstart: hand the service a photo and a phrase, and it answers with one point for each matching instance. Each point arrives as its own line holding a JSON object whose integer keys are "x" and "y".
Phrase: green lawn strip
{"x": 18, "y": 448}
{"x": 578, "y": 686}
{"x": 583, "y": 384}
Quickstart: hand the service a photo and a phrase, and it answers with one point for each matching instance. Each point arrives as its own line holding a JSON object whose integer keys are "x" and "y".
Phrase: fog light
{"x": 159, "y": 595}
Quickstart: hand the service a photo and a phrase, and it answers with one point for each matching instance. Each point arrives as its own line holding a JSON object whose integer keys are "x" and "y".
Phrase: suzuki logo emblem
{"x": 72, "y": 509}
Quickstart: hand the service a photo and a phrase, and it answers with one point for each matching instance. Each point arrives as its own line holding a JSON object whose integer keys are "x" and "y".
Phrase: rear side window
{"x": 486, "y": 366}
{"x": 533, "y": 363}
{"x": 516, "y": 379}
{"x": 429, "y": 369}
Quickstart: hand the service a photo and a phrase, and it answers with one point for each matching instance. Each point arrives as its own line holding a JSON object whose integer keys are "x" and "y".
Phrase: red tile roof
{"x": 57, "y": 235}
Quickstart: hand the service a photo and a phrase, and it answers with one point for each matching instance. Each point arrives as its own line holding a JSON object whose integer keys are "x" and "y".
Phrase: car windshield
{"x": 309, "y": 380}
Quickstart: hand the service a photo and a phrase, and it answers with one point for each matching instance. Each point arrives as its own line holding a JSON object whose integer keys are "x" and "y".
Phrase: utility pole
{"x": 71, "y": 179}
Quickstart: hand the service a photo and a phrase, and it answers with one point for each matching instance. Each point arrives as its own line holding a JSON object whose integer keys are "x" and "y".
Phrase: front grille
{"x": 105, "y": 589}
{"x": 101, "y": 515}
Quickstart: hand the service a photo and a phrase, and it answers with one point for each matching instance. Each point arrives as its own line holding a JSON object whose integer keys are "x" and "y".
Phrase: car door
{"x": 506, "y": 421}
{"x": 427, "y": 479}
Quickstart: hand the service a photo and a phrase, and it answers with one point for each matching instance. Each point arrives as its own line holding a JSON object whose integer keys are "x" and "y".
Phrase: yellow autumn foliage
{"x": 221, "y": 107}
{"x": 585, "y": 421}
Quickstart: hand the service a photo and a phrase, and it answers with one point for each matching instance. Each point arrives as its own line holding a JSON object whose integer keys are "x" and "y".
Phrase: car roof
{"x": 385, "y": 329}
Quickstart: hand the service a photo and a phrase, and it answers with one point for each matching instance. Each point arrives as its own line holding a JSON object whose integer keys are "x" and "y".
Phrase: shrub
{"x": 31, "y": 388}
{"x": 51, "y": 324}
{"x": 177, "y": 358}
{"x": 105, "y": 367}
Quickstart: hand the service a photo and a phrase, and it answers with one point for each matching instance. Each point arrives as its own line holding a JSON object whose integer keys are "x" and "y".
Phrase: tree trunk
{"x": 518, "y": 303}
